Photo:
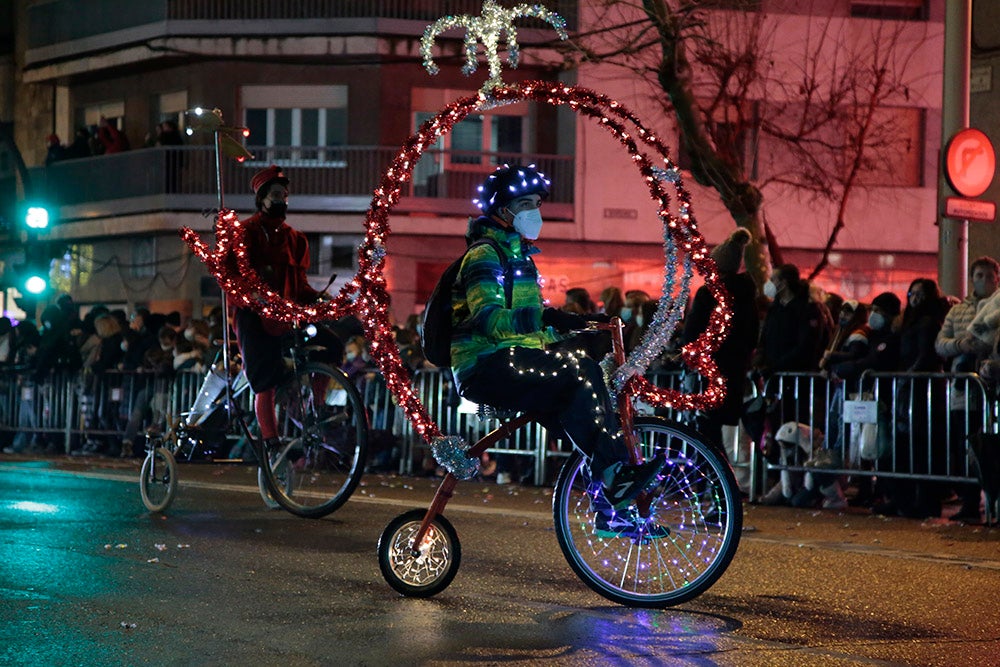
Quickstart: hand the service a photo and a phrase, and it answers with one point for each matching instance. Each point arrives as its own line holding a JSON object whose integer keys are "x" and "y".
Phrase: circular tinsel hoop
{"x": 680, "y": 231}
{"x": 369, "y": 285}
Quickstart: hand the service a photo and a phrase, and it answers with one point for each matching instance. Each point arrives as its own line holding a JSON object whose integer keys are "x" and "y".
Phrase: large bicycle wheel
{"x": 427, "y": 570}
{"x": 675, "y": 553}
{"x": 158, "y": 479}
{"x": 324, "y": 435}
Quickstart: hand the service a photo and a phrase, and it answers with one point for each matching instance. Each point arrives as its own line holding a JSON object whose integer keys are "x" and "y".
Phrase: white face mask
{"x": 528, "y": 223}
{"x": 639, "y": 320}
{"x": 770, "y": 291}
{"x": 876, "y": 320}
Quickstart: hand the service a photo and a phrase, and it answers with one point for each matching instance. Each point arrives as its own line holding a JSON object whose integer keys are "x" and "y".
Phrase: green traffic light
{"x": 36, "y": 217}
{"x": 36, "y": 284}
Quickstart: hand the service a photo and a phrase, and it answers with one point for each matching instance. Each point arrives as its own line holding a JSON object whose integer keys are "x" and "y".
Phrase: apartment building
{"x": 329, "y": 89}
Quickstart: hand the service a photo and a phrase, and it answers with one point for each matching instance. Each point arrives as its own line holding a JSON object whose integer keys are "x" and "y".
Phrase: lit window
{"x": 295, "y": 124}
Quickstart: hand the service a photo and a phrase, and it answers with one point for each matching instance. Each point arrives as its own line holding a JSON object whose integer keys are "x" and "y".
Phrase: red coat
{"x": 280, "y": 255}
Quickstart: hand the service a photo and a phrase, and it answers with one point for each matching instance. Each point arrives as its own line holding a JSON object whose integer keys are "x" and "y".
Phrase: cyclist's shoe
{"x": 628, "y": 481}
{"x": 624, "y": 525}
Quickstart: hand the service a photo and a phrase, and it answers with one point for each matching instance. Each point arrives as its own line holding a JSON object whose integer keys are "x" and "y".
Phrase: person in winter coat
{"x": 736, "y": 352}
{"x": 499, "y": 356}
{"x": 794, "y": 332}
{"x": 280, "y": 256}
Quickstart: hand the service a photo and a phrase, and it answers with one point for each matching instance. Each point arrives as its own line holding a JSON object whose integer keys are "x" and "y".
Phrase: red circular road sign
{"x": 970, "y": 162}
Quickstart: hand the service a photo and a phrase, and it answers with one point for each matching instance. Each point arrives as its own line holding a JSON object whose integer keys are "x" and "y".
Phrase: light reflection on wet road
{"x": 87, "y": 576}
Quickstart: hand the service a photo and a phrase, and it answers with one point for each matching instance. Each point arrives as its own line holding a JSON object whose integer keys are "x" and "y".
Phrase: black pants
{"x": 263, "y": 353}
{"x": 567, "y": 397}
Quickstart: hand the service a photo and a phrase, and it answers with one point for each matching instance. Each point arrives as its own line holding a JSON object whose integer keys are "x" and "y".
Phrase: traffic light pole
{"x": 953, "y": 235}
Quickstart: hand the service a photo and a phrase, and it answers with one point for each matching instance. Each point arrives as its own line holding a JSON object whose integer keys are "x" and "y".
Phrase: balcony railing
{"x": 323, "y": 179}
{"x": 59, "y": 21}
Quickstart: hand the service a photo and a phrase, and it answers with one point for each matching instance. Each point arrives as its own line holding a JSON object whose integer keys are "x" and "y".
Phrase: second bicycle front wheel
{"x": 676, "y": 552}
{"x": 283, "y": 475}
{"x": 158, "y": 479}
{"x": 324, "y": 441}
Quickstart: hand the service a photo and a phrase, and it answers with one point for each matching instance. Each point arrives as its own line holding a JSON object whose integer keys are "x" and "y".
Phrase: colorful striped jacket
{"x": 482, "y": 322}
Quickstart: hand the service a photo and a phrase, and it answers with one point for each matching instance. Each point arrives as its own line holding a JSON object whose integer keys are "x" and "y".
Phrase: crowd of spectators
{"x": 792, "y": 327}
{"x": 106, "y": 138}
{"x": 99, "y": 351}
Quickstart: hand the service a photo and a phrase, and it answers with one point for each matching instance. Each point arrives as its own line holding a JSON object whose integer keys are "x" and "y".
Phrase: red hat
{"x": 272, "y": 174}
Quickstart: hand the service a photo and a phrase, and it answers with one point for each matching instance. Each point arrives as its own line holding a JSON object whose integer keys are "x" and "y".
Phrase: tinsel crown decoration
{"x": 487, "y": 28}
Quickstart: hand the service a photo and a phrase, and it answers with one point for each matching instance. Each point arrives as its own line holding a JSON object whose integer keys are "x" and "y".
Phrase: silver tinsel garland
{"x": 670, "y": 309}
{"x": 451, "y": 452}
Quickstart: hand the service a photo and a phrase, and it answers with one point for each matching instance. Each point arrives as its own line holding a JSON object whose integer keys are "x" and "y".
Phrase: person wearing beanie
{"x": 280, "y": 256}
{"x": 734, "y": 355}
{"x": 883, "y": 341}
{"x": 728, "y": 255}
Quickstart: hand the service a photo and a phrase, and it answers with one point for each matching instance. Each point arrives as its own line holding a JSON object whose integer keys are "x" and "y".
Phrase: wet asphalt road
{"x": 88, "y": 577}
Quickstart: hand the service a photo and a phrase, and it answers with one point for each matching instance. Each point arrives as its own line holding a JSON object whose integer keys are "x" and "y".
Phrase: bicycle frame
{"x": 626, "y": 412}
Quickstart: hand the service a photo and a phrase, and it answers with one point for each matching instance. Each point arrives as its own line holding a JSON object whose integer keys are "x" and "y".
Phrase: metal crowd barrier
{"x": 456, "y": 416}
{"x": 71, "y": 408}
{"x": 915, "y": 425}
{"x": 921, "y": 420}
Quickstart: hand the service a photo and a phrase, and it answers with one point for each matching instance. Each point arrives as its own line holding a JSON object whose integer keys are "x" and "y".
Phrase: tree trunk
{"x": 740, "y": 197}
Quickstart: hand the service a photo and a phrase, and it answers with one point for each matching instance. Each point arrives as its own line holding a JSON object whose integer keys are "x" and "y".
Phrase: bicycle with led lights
{"x": 684, "y": 531}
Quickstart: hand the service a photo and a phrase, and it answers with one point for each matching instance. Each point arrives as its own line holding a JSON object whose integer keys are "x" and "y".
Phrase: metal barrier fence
{"x": 72, "y": 408}
{"x": 897, "y": 425}
{"x": 456, "y": 416}
{"x": 903, "y": 425}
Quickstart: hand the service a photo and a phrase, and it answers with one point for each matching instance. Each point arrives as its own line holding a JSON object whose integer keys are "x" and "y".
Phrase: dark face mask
{"x": 276, "y": 209}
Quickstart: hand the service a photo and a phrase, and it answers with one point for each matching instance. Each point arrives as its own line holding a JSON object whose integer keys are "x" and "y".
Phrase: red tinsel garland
{"x": 231, "y": 267}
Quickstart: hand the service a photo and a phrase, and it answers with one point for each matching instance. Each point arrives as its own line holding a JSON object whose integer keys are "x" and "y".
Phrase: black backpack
{"x": 437, "y": 328}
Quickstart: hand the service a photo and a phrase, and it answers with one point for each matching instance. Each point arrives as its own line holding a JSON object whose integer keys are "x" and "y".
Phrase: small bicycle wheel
{"x": 324, "y": 433}
{"x": 158, "y": 479}
{"x": 675, "y": 553}
{"x": 284, "y": 476}
{"x": 426, "y": 571}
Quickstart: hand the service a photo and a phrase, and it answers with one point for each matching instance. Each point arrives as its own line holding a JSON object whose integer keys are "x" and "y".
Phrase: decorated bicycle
{"x": 312, "y": 429}
{"x": 678, "y": 534}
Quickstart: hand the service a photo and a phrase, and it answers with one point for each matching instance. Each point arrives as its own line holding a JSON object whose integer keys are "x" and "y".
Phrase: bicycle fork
{"x": 447, "y": 487}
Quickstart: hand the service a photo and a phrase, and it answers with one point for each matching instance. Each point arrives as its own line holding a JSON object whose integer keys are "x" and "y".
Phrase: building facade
{"x": 329, "y": 89}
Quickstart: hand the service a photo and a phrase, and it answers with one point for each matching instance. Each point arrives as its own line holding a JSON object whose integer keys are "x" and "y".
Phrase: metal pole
{"x": 225, "y": 305}
{"x": 953, "y": 235}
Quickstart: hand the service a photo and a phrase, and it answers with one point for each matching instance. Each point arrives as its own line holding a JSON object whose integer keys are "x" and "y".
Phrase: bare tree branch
{"x": 749, "y": 118}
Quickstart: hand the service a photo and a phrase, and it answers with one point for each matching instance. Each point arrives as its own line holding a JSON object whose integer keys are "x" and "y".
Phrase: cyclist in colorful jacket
{"x": 498, "y": 350}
